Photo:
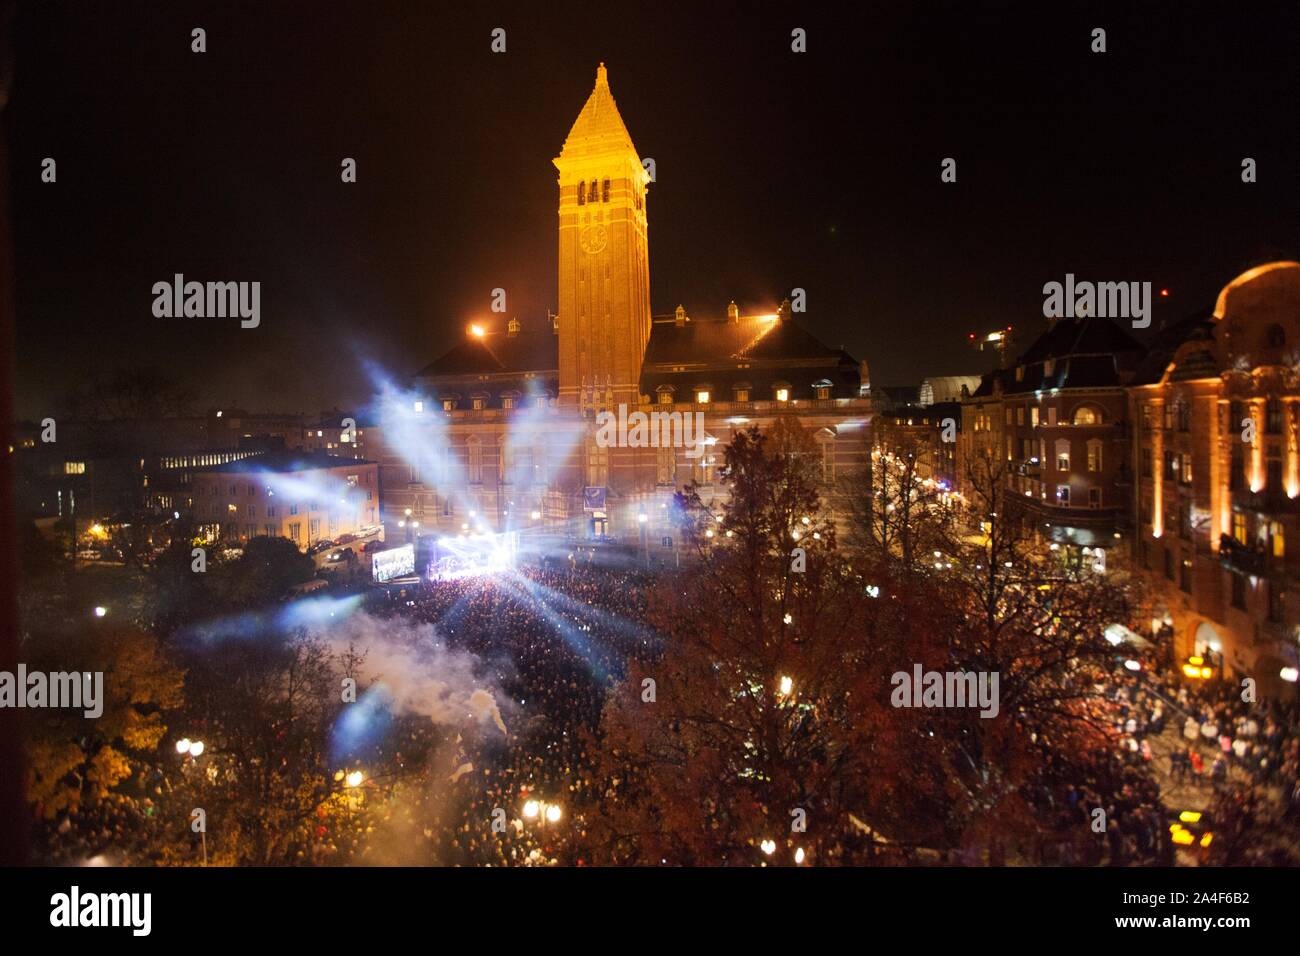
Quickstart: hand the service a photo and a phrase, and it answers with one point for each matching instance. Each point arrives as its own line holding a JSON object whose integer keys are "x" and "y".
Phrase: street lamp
{"x": 194, "y": 748}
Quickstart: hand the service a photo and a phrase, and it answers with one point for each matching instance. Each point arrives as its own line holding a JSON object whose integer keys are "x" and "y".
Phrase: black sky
{"x": 774, "y": 170}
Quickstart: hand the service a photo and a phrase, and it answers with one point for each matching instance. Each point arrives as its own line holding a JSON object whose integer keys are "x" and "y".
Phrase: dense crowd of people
{"x": 554, "y": 638}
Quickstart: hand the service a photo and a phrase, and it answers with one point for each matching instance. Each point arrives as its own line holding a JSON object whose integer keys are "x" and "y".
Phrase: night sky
{"x": 774, "y": 170}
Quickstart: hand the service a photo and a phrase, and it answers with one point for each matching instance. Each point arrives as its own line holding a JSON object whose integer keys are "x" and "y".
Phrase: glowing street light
{"x": 531, "y": 809}
{"x": 183, "y": 745}
{"x": 354, "y": 779}
{"x": 100, "y": 611}
{"x": 768, "y": 847}
{"x": 553, "y": 813}
{"x": 787, "y": 685}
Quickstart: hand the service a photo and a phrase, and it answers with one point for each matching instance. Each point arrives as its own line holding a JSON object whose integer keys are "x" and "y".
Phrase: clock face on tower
{"x": 593, "y": 239}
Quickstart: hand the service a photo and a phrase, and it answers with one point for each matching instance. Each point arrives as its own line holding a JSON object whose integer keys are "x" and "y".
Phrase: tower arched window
{"x": 582, "y": 194}
{"x": 605, "y": 191}
{"x": 592, "y": 195}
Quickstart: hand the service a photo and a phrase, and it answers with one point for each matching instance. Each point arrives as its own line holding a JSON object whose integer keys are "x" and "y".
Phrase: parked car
{"x": 346, "y": 539}
{"x": 323, "y": 545}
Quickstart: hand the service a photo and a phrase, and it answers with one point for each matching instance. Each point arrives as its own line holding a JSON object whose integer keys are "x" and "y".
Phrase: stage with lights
{"x": 472, "y": 555}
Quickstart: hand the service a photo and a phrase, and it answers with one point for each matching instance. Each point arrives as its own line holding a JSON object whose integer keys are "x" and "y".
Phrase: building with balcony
{"x": 1217, "y": 406}
{"x": 1058, "y": 417}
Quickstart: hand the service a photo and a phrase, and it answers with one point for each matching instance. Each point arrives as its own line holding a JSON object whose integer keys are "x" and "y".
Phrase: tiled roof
{"x": 498, "y": 353}
{"x": 706, "y": 341}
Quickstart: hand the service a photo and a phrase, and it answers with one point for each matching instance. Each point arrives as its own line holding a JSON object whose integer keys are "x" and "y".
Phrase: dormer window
{"x": 507, "y": 402}
{"x": 665, "y": 394}
{"x": 448, "y": 404}
{"x": 742, "y": 394}
{"x": 822, "y": 388}
{"x": 478, "y": 404}
{"x": 702, "y": 396}
{"x": 783, "y": 394}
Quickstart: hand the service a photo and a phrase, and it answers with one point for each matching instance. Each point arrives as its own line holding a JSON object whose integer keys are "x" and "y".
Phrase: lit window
{"x": 74, "y": 467}
{"x": 823, "y": 391}
{"x": 702, "y": 397}
{"x": 478, "y": 404}
{"x": 448, "y": 405}
{"x": 1063, "y": 455}
{"x": 419, "y": 407}
{"x": 507, "y": 403}
{"x": 665, "y": 398}
{"x": 1086, "y": 416}
{"x": 1094, "y": 455}
{"x": 782, "y": 394}
{"x": 742, "y": 394}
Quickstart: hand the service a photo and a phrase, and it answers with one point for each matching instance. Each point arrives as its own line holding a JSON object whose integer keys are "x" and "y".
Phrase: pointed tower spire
{"x": 599, "y": 128}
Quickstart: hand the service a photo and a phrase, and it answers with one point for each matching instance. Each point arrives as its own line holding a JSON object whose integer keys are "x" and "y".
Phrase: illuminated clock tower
{"x": 604, "y": 317}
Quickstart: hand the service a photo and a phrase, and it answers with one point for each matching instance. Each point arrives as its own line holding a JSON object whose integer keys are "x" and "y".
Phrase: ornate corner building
{"x": 1217, "y": 407}
{"x": 505, "y": 431}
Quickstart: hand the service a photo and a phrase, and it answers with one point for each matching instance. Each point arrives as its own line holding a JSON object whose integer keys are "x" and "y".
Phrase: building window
{"x": 665, "y": 398}
{"x": 1185, "y": 575}
{"x": 1184, "y": 414}
{"x": 742, "y": 394}
{"x": 605, "y": 191}
{"x": 475, "y": 461}
{"x": 1094, "y": 497}
{"x": 1273, "y": 417}
{"x": 702, "y": 396}
{"x": 1063, "y": 495}
{"x": 1239, "y": 527}
{"x": 1274, "y": 601}
{"x": 74, "y": 467}
{"x": 1020, "y": 415}
{"x": 1033, "y": 416}
{"x": 666, "y": 467}
{"x": 1087, "y": 415}
{"x": 782, "y": 394}
{"x": 1273, "y": 474}
{"x": 1277, "y": 538}
{"x": 1238, "y": 591}
{"x": 1063, "y": 454}
{"x": 597, "y": 465}
{"x": 582, "y": 194}
{"x": 418, "y": 406}
{"x": 1094, "y": 455}
{"x": 1051, "y": 415}
{"x": 1010, "y": 413}
{"x": 448, "y": 405}
{"x": 507, "y": 402}
{"x": 478, "y": 404}
{"x": 823, "y": 391}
